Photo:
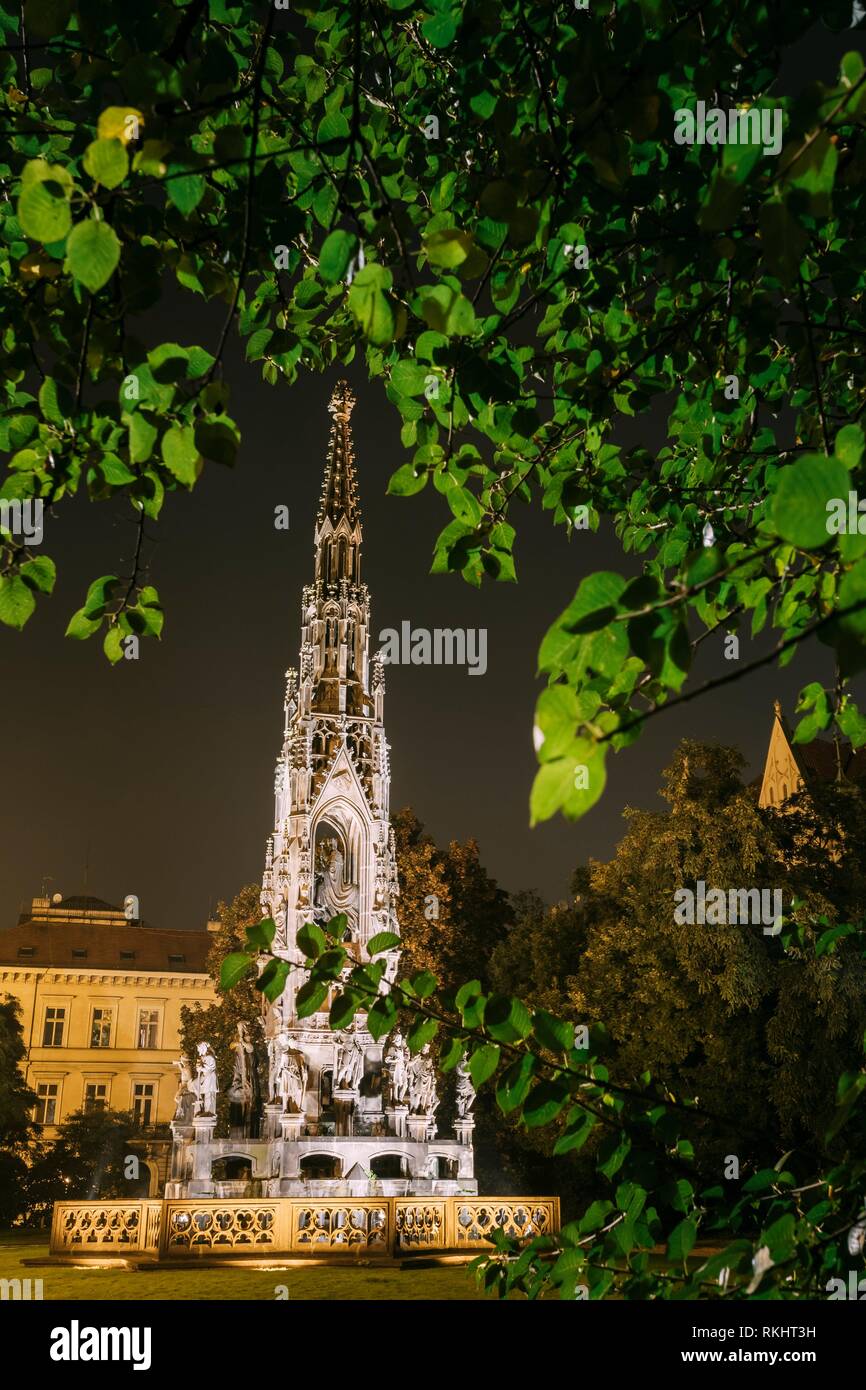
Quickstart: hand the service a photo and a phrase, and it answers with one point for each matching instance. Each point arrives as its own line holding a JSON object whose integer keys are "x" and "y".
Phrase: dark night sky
{"x": 159, "y": 772}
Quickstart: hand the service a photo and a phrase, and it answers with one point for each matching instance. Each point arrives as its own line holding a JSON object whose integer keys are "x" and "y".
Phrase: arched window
{"x": 784, "y": 791}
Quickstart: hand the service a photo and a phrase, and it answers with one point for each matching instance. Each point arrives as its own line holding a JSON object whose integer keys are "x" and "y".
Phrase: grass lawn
{"x": 315, "y": 1282}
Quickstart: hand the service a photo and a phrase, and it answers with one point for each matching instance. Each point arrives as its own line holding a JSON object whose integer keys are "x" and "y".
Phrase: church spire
{"x": 338, "y": 524}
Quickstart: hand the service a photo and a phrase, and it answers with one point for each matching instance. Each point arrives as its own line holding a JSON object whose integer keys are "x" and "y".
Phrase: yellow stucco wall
{"x": 123, "y": 1064}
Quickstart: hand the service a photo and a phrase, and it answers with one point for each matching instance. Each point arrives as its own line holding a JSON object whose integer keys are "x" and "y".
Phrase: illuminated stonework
{"x": 344, "y": 1114}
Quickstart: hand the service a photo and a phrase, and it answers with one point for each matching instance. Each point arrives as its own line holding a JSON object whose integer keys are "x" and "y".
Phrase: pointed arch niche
{"x": 339, "y": 842}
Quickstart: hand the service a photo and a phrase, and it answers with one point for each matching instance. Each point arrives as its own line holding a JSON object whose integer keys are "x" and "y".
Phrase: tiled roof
{"x": 818, "y": 760}
{"x": 89, "y": 947}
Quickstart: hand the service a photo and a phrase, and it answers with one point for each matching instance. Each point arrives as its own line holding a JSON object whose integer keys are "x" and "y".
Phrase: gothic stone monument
{"x": 343, "y": 1114}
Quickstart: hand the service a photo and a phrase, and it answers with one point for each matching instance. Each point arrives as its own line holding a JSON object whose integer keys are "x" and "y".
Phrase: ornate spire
{"x": 340, "y": 488}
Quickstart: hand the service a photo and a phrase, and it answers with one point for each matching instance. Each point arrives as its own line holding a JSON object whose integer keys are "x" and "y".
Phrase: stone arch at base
{"x": 320, "y": 1165}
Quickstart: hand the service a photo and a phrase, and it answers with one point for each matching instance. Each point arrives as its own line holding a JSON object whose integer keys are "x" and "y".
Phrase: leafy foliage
{"x": 781, "y": 1231}
{"x": 488, "y": 203}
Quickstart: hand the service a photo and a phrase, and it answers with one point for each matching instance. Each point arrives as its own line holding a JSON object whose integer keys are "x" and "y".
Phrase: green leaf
{"x": 406, "y": 482}
{"x": 544, "y": 1103}
{"x": 180, "y": 454}
{"x": 507, "y": 1019}
{"x": 448, "y": 247}
{"x": 451, "y": 1051}
{"x": 40, "y": 573}
{"x": 142, "y": 437}
{"x": 81, "y": 626}
{"x": 682, "y": 1239}
{"x": 382, "y": 1016}
{"x": 262, "y": 933}
{"x": 43, "y": 211}
{"x": 272, "y": 980}
{"x": 799, "y": 506}
{"x": 185, "y": 191}
{"x": 107, "y": 162}
{"x": 849, "y": 445}
{"x": 409, "y": 378}
{"x": 336, "y": 255}
{"x": 16, "y": 601}
{"x": 115, "y": 471}
{"x": 613, "y": 1153}
{"x": 572, "y": 783}
{"x": 513, "y": 1085}
{"x": 382, "y": 941}
{"x": 311, "y": 940}
{"x": 424, "y": 984}
{"x": 344, "y": 1008}
{"x": 52, "y": 400}
{"x": 439, "y": 29}
{"x": 483, "y": 1063}
{"x": 235, "y": 968}
{"x": 422, "y": 1031}
{"x": 92, "y": 253}
{"x": 112, "y": 643}
{"x": 552, "y": 1033}
{"x": 595, "y": 1216}
{"x": 371, "y": 306}
{"x": 575, "y": 1135}
{"x": 310, "y": 997}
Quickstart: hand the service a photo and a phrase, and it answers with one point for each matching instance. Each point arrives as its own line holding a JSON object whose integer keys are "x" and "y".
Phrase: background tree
{"x": 17, "y": 1129}
{"x": 89, "y": 1157}
{"x": 755, "y": 1030}
{"x": 452, "y": 913}
{"x": 217, "y": 1023}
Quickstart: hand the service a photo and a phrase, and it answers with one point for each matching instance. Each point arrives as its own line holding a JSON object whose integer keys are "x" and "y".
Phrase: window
{"x": 127, "y": 955}
{"x": 45, "y": 1112}
{"x": 27, "y": 950}
{"x": 79, "y": 953}
{"x": 100, "y": 1028}
{"x": 142, "y": 1102}
{"x": 95, "y": 1095}
{"x": 176, "y": 960}
{"x": 148, "y": 1028}
{"x": 52, "y": 1033}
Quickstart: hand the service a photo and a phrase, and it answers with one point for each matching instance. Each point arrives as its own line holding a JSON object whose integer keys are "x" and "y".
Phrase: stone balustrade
{"x": 387, "y": 1226}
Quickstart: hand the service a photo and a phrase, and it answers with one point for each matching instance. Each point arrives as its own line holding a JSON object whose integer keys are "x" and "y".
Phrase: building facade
{"x": 100, "y": 995}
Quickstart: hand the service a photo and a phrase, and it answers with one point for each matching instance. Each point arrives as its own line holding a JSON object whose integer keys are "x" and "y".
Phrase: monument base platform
{"x": 214, "y": 1229}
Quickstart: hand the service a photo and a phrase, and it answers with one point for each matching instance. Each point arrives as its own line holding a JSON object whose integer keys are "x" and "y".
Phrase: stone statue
{"x": 206, "y": 1088}
{"x": 185, "y": 1095}
{"x": 273, "y": 1066}
{"x": 291, "y": 1076}
{"x": 241, "y": 1086}
{"x": 331, "y": 894}
{"x": 423, "y": 1099}
{"x": 465, "y": 1090}
{"x": 397, "y": 1061}
{"x": 348, "y": 1063}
